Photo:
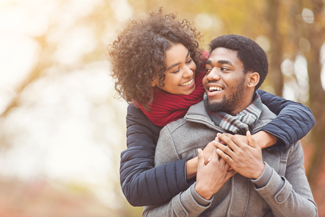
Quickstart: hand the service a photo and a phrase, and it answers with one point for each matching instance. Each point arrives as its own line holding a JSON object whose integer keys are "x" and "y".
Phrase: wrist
{"x": 264, "y": 139}
{"x": 203, "y": 192}
{"x": 259, "y": 171}
{"x": 191, "y": 168}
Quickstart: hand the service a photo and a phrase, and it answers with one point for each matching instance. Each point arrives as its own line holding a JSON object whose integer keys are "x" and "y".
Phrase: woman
{"x": 149, "y": 57}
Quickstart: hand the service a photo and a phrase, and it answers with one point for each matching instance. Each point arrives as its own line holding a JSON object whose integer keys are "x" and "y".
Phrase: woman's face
{"x": 180, "y": 71}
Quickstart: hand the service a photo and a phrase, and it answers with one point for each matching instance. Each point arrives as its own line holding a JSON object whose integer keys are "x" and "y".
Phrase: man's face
{"x": 225, "y": 81}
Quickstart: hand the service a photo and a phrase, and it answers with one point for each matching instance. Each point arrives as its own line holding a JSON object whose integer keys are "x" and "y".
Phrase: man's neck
{"x": 245, "y": 103}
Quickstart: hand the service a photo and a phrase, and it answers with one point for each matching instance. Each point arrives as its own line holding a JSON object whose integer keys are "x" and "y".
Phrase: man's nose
{"x": 213, "y": 75}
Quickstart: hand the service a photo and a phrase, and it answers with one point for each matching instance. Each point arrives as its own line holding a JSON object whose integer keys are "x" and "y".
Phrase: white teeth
{"x": 215, "y": 88}
{"x": 187, "y": 83}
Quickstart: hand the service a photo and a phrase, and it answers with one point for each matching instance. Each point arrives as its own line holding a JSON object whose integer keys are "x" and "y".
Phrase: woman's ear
{"x": 253, "y": 79}
{"x": 154, "y": 82}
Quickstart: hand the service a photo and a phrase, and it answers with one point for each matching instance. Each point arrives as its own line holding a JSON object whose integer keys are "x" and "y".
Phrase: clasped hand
{"x": 246, "y": 159}
{"x": 212, "y": 175}
{"x": 213, "y": 171}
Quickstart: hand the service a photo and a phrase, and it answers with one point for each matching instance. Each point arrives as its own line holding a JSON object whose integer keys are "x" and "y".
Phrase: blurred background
{"x": 62, "y": 130}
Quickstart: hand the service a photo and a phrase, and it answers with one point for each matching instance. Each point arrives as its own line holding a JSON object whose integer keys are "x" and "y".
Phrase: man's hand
{"x": 191, "y": 165}
{"x": 211, "y": 176}
{"x": 208, "y": 151}
{"x": 244, "y": 158}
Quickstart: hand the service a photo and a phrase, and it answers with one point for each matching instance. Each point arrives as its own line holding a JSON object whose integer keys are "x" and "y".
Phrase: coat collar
{"x": 198, "y": 114}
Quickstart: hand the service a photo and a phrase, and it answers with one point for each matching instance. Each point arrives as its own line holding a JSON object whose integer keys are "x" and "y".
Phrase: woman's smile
{"x": 188, "y": 83}
{"x": 180, "y": 73}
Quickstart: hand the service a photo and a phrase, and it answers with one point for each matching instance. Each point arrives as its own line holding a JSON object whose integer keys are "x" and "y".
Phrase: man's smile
{"x": 215, "y": 88}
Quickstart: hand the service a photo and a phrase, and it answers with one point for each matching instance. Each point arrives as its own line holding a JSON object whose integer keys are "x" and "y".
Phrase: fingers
{"x": 214, "y": 158}
{"x": 229, "y": 168}
{"x": 225, "y": 149}
{"x": 236, "y": 140}
{"x": 200, "y": 158}
{"x": 230, "y": 174}
{"x": 228, "y": 139}
{"x": 215, "y": 141}
{"x": 251, "y": 140}
{"x": 226, "y": 165}
{"x": 218, "y": 140}
{"x": 225, "y": 157}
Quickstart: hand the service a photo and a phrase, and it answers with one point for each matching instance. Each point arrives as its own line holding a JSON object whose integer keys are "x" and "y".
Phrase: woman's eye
{"x": 189, "y": 60}
{"x": 176, "y": 71}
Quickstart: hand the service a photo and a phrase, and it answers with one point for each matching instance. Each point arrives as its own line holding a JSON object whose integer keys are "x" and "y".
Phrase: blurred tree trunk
{"x": 317, "y": 94}
{"x": 35, "y": 74}
{"x": 275, "y": 53}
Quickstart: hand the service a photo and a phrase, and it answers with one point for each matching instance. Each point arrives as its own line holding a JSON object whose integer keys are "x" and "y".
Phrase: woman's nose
{"x": 188, "y": 72}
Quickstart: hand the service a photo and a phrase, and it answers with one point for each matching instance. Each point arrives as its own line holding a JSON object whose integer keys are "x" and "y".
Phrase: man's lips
{"x": 214, "y": 87}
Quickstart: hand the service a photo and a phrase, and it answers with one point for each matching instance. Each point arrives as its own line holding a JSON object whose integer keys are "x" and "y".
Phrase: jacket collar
{"x": 198, "y": 114}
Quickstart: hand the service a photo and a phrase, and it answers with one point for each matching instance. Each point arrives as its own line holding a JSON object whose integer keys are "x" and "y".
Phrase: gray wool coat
{"x": 281, "y": 190}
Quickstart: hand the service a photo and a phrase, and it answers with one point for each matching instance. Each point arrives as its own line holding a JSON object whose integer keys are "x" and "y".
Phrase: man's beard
{"x": 229, "y": 104}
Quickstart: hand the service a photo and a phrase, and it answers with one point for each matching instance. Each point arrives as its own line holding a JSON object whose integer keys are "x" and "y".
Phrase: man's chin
{"x": 215, "y": 106}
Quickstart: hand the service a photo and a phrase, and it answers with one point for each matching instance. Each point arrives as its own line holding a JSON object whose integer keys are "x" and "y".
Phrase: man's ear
{"x": 253, "y": 79}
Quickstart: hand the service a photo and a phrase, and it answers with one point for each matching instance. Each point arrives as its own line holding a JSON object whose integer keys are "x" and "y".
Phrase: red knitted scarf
{"x": 166, "y": 107}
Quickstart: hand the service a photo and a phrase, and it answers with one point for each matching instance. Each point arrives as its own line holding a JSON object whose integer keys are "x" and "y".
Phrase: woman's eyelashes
{"x": 177, "y": 70}
{"x": 189, "y": 60}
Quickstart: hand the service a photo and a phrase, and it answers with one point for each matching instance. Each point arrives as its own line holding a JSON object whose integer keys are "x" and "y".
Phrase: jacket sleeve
{"x": 293, "y": 121}
{"x": 187, "y": 203}
{"x": 184, "y": 204}
{"x": 142, "y": 184}
{"x": 290, "y": 195}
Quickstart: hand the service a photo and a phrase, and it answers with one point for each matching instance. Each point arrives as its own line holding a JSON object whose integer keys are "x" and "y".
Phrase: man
{"x": 266, "y": 183}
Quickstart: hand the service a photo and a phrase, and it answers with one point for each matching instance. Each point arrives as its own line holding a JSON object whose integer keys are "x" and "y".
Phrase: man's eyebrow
{"x": 225, "y": 62}
{"x": 175, "y": 64}
{"x": 219, "y": 62}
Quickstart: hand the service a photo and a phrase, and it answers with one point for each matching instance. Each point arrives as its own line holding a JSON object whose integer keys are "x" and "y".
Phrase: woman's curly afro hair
{"x": 137, "y": 57}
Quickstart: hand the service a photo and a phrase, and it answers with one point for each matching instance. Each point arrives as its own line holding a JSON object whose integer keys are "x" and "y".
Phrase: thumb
{"x": 250, "y": 139}
{"x": 200, "y": 158}
{"x": 216, "y": 141}
{"x": 230, "y": 174}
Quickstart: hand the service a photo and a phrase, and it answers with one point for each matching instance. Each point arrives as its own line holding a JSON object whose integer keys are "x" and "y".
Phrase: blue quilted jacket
{"x": 146, "y": 185}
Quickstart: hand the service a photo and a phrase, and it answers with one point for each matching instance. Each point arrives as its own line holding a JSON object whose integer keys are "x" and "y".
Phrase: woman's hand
{"x": 211, "y": 176}
{"x": 262, "y": 138}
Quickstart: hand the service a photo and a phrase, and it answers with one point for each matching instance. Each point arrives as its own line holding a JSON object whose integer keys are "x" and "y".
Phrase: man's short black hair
{"x": 250, "y": 53}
